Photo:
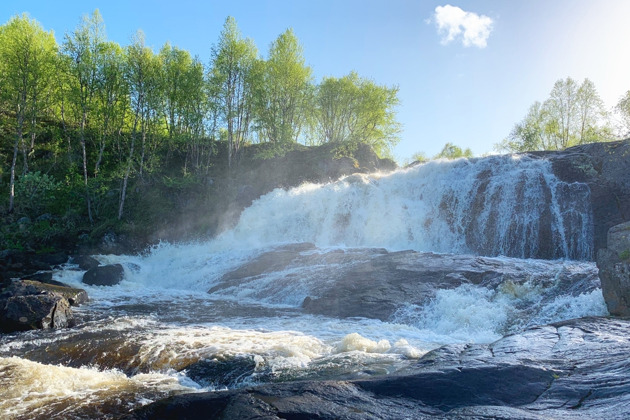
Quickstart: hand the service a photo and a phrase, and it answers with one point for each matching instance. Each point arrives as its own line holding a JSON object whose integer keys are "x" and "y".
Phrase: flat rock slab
{"x": 576, "y": 369}
{"x": 375, "y": 283}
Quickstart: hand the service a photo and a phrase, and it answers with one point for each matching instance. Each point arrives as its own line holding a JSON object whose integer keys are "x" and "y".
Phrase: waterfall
{"x": 499, "y": 205}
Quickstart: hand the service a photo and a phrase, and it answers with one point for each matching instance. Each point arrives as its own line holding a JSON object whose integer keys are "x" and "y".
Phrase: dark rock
{"x": 27, "y": 305}
{"x": 44, "y": 217}
{"x": 55, "y": 259}
{"x": 85, "y": 262}
{"x": 5, "y": 281}
{"x": 30, "y": 312}
{"x": 574, "y": 369}
{"x": 104, "y": 275}
{"x": 605, "y": 168}
{"x": 228, "y": 373}
{"x": 42, "y": 276}
{"x": 614, "y": 270}
{"x": 74, "y": 295}
{"x": 375, "y": 283}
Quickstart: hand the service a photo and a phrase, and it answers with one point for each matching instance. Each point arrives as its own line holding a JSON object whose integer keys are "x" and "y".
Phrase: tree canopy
{"x": 573, "y": 114}
{"x": 92, "y": 122}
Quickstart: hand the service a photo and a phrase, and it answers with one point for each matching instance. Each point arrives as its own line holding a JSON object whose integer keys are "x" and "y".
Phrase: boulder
{"x": 614, "y": 270}
{"x": 74, "y": 295}
{"x": 27, "y": 305}
{"x": 4, "y": 280}
{"x": 85, "y": 262}
{"x": 42, "y": 276}
{"x": 104, "y": 275}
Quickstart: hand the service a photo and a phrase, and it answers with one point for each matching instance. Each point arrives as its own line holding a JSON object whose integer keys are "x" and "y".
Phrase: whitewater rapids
{"x": 160, "y": 333}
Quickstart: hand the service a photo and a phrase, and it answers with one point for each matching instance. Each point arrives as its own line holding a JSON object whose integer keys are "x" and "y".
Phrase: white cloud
{"x": 454, "y": 23}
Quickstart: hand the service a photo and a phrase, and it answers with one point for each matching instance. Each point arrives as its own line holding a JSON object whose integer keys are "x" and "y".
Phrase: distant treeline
{"x": 573, "y": 114}
{"x": 90, "y": 115}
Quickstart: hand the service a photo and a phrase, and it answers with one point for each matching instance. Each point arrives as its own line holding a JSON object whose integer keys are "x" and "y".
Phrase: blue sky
{"x": 469, "y": 95}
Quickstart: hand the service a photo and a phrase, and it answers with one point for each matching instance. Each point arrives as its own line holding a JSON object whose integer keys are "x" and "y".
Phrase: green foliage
{"x": 356, "y": 110}
{"x": 623, "y": 110}
{"x": 89, "y": 124}
{"x": 284, "y": 96}
{"x": 235, "y": 75}
{"x": 625, "y": 255}
{"x": 451, "y": 151}
{"x": 420, "y": 157}
{"x": 573, "y": 114}
{"x": 35, "y": 193}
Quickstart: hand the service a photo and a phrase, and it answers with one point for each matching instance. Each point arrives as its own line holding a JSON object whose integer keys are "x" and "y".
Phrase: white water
{"x": 499, "y": 205}
{"x": 139, "y": 340}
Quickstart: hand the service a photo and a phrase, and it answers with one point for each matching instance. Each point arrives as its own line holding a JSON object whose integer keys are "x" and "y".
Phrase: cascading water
{"x": 160, "y": 333}
{"x": 501, "y": 205}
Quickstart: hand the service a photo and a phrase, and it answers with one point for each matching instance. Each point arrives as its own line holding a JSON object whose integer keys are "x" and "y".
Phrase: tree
{"x": 185, "y": 101}
{"x": 536, "y": 131}
{"x": 562, "y": 107}
{"x": 27, "y": 63}
{"x": 142, "y": 77}
{"x": 285, "y": 92}
{"x": 590, "y": 110}
{"x": 451, "y": 151}
{"x": 355, "y": 110}
{"x": 111, "y": 96}
{"x": 623, "y": 110}
{"x": 571, "y": 115}
{"x": 83, "y": 49}
{"x": 235, "y": 74}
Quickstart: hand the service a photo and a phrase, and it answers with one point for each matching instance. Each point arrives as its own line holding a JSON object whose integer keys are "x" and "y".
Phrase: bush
{"x": 35, "y": 193}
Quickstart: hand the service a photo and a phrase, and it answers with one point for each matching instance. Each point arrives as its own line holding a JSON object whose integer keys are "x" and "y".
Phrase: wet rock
{"x": 614, "y": 270}
{"x": 85, "y": 262}
{"x": 104, "y": 275}
{"x": 4, "y": 280}
{"x": 574, "y": 369}
{"x": 25, "y": 263}
{"x": 54, "y": 259}
{"x": 227, "y": 373}
{"x": 375, "y": 283}
{"x": 605, "y": 168}
{"x": 42, "y": 276}
{"x": 74, "y": 295}
{"x": 27, "y": 305}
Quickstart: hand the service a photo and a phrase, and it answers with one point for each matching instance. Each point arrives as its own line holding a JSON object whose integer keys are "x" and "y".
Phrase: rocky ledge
{"x": 614, "y": 270}
{"x": 605, "y": 168}
{"x": 571, "y": 370}
{"x": 28, "y": 305}
{"x": 375, "y": 283}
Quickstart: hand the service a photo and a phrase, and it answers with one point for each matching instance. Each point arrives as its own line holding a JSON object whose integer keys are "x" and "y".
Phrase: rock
{"x": 44, "y": 217}
{"x": 54, "y": 259}
{"x": 27, "y": 305}
{"x": 375, "y": 283}
{"x": 104, "y": 275}
{"x": 42, "y": 276}
{"x": 605, "y": 168}
{"x": 4, "y": 281}
{"x": 85, "y": 262}
{"x": 74, "y": 295}
{"x": 574, "y": 369}
{"x": 45, "y": 311}
{"x": 614, "y": 270}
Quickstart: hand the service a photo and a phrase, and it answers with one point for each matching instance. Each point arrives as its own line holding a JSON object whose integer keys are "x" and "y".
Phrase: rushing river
{"x": 160, "y": 333}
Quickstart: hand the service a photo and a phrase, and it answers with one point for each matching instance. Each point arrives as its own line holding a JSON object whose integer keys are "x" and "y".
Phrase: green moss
{"x": 625, "y": 255}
